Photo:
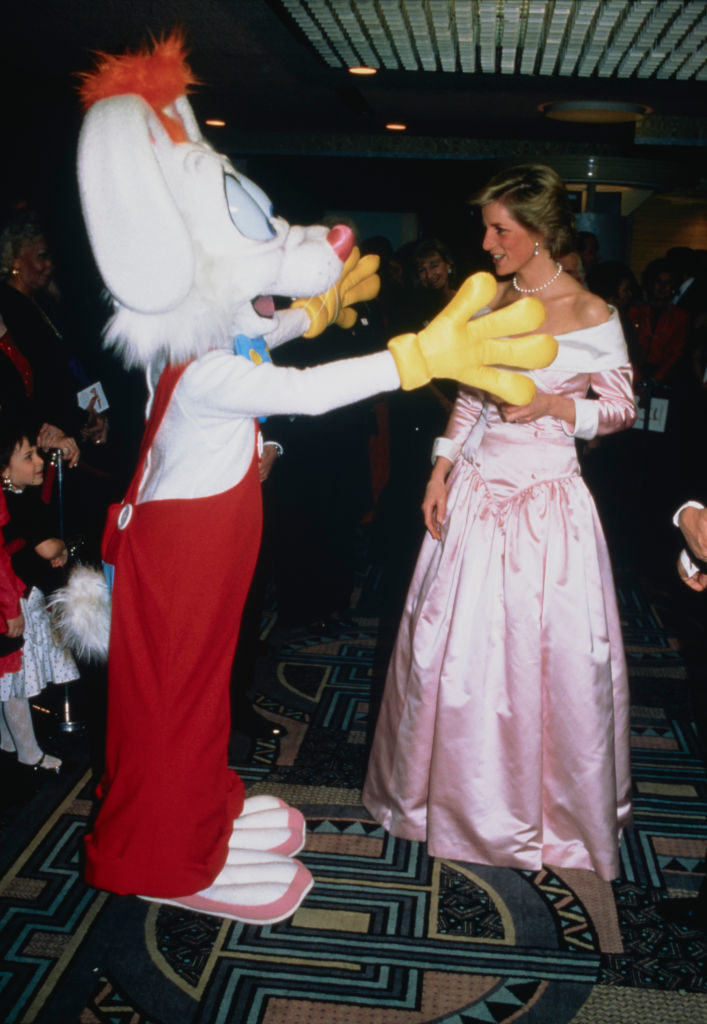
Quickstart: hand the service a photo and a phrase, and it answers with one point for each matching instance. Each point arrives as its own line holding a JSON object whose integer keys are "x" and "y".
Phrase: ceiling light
{"x": 363, "y": 70}
{"x": 595, "y": 111}
{"x": 394, "y": 126}
{"x": 215, "y": 122}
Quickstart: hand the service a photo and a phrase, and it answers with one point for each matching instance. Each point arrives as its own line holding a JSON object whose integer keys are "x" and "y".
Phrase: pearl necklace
{"x": 531, "y": 291}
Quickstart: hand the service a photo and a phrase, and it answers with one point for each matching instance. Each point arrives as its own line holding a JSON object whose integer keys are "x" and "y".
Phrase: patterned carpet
{"x": 387, "y": 936}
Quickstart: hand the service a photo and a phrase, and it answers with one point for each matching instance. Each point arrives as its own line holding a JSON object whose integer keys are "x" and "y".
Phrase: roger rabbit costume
{"x": 190, "y": 252}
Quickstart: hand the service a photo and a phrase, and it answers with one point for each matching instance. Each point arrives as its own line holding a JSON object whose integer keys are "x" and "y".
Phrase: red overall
{"x": 182, "y": 575}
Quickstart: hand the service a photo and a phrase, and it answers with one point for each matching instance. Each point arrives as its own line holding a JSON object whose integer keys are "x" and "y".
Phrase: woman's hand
{"x": 543, "y": 404}
{"x": 70, "y": 452}
{"x": 434, "y": 504}
{"x": 53, "y": 437}
{"x": 16, "y": 626}
{"x": 95, "y": 429}
{"x": 48, "y": 436}
{"x": 540, "y": 406}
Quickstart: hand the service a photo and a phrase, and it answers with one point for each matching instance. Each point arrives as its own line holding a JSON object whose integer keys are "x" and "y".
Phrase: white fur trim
{"x": 80, "y": 613}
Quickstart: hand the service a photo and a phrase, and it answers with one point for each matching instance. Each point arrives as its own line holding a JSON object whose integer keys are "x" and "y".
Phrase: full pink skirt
{"x": 503, "y": 736}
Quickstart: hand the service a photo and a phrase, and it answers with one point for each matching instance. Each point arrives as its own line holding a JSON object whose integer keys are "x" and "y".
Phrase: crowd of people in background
{"x": 347, "y": 491}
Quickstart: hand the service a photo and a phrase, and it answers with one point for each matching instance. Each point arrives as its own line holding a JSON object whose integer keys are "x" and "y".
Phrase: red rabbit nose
{"x": 341, "y": 239}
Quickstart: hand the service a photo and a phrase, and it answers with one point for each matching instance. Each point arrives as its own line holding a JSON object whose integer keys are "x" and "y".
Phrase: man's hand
{"x": 698, "y": 580}
{"x": 267, "y": 461}
{"x": 359, "y": 282}
{"x": 693, "y": 524}
{"x": 455, "y": 347}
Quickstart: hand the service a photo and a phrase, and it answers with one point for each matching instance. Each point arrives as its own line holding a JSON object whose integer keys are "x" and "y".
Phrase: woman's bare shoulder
{"x": 590, "y": 310}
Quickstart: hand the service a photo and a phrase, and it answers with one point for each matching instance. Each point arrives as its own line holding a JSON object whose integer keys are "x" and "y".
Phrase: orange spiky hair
{"x": 158, "y": 73}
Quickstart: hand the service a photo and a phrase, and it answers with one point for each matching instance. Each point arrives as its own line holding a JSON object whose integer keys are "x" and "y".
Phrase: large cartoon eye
{"x": 245, "y": 209}
{"x": 256, "y": 192}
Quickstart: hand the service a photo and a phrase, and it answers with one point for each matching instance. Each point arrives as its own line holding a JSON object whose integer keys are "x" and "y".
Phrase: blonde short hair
{"x": 536, "y": 197}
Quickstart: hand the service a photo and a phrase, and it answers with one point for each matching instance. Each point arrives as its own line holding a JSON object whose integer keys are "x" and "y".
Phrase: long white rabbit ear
{"x": 139, "y": 239}
{"x": 185, "y": 113}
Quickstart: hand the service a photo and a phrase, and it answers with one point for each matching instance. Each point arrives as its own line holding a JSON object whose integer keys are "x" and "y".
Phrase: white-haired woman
{"x": 36, "y": 379}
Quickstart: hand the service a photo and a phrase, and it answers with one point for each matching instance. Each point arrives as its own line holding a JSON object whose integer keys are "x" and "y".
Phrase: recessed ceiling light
{"x": 395, "y": 126}
{"x": 363, "y": 71}
{"x": 214, "y": 122}
{"x": 595, "y": 111}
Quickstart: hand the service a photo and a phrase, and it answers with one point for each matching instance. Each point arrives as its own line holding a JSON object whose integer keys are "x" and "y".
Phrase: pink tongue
{"x": 264, "y": 305}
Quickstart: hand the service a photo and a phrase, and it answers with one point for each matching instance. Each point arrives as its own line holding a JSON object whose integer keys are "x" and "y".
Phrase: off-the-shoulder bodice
{"x": 524, "y": 453}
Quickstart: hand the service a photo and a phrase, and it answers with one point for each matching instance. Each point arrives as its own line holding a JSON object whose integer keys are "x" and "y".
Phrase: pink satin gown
{"x": 503, "y": 736}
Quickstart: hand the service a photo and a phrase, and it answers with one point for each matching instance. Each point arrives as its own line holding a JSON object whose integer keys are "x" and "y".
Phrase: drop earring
{"x": 537, "y": 248}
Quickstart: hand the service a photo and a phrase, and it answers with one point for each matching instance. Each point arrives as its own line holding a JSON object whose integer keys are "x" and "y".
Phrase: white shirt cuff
{"x": 586, "y": 419}
{"x": 447, "y": 448}
{"x": 688, "y": 504}
{"x": 688, "y": 565}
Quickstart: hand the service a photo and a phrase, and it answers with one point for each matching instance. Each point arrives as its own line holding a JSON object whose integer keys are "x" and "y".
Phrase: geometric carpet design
{"x": 388, "y": 935}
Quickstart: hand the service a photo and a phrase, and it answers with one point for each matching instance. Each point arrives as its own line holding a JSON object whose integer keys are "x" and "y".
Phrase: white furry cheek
{"x": 306, "y": 264}
{"x": 193, "y": 329}
{"x": 228, "y": 285}
{"x": 306, "y": 272}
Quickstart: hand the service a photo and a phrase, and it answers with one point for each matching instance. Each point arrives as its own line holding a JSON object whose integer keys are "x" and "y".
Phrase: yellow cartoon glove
{"x": 359, "y": 282}
{"x": 453, "y": 347}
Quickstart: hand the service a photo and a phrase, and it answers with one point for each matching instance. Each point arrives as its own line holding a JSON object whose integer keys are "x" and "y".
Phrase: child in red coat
{"x": 29, "y": 656}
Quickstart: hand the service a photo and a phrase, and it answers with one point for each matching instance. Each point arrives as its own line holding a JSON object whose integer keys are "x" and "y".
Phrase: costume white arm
{"x": 206, "y": 441}
{"x": 291, "y": 323}
{"x": 229, "y": 385}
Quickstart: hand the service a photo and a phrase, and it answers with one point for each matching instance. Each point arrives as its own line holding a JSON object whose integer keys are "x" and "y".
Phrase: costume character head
{"x": 189, "y": 248}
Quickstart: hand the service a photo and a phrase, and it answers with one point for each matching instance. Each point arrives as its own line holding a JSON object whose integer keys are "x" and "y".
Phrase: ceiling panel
{"x": 663, "y": 39}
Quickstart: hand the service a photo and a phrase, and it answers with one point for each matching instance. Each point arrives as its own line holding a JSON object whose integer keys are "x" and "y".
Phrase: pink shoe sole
{"x": 297, "y": 824}
{"x": 270, "y": 913}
